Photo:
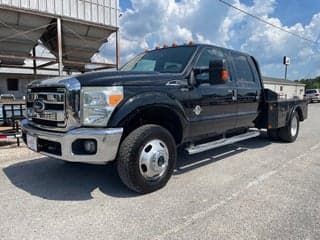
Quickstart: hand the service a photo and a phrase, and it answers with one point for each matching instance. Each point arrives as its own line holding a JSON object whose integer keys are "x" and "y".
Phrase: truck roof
{"x": 200, "y": 45}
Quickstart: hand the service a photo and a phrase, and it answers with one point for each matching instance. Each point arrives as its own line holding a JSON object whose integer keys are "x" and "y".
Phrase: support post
{"x": 34, "y": 62}
{"x": 117, "y": 49}
{"x": 59, "y": 42}
{"x": 286, "y": 72}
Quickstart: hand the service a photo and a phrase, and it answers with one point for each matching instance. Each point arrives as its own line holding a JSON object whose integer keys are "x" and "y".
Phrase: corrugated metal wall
{"x": 96, "y": 11}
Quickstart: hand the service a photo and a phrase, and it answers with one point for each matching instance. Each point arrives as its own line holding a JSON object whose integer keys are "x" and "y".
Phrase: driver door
{"x": 215, "y": 107}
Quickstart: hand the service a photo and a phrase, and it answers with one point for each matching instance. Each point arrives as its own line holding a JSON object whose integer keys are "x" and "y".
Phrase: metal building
{"x": 72, "y": 30}
{"x": 285, "y": 89}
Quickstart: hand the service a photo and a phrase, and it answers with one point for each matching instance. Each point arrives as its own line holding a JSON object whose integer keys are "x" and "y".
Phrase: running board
{"x": 222, "y": 142}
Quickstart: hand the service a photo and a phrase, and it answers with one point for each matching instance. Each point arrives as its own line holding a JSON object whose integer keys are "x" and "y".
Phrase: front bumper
{"x": 60, "y": 145}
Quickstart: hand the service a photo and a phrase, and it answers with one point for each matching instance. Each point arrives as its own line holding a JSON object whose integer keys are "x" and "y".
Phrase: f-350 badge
{"x": 197, "y": 110}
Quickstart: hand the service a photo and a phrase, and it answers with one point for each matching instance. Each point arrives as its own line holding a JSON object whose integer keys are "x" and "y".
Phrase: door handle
{"x": 234, "y": 95}
{"x": 257, "y": 95}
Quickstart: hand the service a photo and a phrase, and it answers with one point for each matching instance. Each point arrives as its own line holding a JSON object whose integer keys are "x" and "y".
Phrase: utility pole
{"x": 59, "y": 43}
{"x": 286, "y": 63}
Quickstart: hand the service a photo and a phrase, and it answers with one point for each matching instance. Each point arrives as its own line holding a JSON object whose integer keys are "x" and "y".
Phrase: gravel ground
{"x": 255, "y": 189}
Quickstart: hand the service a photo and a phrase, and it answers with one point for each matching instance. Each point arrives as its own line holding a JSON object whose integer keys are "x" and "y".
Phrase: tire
{"x": 273, "y": 134}
{"x": 147, "y": 158}
{"x": 290, "y": 132}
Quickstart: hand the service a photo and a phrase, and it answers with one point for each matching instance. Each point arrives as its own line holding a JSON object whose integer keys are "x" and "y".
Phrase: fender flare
{"x": 291, "y": 112}
{"x": 137, "y": 103}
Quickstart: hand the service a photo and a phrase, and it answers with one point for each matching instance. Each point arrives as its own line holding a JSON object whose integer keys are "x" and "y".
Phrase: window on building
{"x": 281, "y": 88}
{"x": 12, "y": 84}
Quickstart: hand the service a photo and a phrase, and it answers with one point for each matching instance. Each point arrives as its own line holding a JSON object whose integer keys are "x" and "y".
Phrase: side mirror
{"x": 218, "y": 71}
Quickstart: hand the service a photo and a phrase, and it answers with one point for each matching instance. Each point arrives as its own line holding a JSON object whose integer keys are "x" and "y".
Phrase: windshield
{"x": 166, "y": 60}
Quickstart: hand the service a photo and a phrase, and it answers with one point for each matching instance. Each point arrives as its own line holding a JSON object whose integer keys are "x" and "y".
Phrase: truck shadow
{"x": 55, "y": 180}
{"x": 188, "y": 163}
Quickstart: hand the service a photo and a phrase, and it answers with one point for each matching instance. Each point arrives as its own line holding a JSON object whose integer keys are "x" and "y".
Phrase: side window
{"x": 207, "y": 55}
{"x": 204, "y": 59}
{"x": 243, "y": 69}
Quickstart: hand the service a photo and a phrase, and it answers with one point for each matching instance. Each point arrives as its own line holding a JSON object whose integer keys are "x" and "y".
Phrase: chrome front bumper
{"x": 107, "y": 140}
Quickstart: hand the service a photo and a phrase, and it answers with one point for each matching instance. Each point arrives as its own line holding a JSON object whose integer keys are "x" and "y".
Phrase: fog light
{"x": 84, "y": 147}
{"x": 90, "y": 146}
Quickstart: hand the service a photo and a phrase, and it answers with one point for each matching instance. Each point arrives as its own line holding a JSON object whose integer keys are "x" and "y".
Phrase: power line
{"x": 268, "y": 23}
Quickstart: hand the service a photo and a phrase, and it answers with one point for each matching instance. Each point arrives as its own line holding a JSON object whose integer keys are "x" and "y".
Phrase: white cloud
{"x": 269, "y": 44}
{"x": 152, "y": 22}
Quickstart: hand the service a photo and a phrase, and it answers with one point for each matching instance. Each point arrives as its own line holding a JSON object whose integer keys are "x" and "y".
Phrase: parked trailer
{"x": 12, "y": 133}
{"x": 10, "y": 116}
{"x": 12, "y": 112}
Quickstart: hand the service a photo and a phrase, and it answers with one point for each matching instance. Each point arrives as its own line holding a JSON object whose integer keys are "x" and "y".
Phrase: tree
{"x": 311, "y": 82}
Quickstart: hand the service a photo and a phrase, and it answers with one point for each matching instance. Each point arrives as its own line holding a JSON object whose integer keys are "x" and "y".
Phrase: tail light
{"x": 317, "y": 94}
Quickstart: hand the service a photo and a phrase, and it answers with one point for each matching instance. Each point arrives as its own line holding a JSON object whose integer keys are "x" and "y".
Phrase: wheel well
{"x": 299, "y": 111}
{"x": 162, "y": 116}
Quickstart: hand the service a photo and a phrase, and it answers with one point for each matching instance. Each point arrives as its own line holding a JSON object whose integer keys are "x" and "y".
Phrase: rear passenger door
{"x": 248, "y": 89}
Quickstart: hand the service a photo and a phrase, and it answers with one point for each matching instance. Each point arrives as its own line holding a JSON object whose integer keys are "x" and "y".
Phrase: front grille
{"x": 51, "y": 109}
{"x": 54, "y": 104}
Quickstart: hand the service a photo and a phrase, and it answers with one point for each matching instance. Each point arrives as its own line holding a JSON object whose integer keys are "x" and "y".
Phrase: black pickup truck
{"x": 194, "y": 96}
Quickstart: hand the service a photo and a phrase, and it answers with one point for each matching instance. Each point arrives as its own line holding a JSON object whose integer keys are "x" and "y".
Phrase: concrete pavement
{"x": 255, "y": 189}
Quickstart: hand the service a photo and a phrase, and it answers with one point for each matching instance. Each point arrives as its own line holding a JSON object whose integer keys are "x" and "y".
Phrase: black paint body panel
{"x": 224, "y": 107}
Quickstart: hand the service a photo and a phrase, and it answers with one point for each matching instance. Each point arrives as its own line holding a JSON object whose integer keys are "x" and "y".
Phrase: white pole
{"x": 59, "y": 42}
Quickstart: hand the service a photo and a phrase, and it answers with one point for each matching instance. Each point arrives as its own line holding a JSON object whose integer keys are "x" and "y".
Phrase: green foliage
{"x": 311, "y": 82}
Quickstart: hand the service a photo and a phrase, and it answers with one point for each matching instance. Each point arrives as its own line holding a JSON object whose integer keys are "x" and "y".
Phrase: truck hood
{"x": 107, "y": 78}
{"x": 116, "y": 78}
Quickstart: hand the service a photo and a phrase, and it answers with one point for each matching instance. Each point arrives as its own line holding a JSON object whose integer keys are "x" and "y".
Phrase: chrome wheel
{"x": 154, "y": 160}
{"x": 294, "y": 126}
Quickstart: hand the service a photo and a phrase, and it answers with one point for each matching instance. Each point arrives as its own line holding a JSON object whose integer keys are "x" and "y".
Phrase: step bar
{"x": 221, "y": 142}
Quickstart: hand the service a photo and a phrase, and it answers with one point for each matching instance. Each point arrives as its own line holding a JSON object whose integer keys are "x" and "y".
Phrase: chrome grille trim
{"x": 51, "y": 115}
{"x": 53, "y": 98}
{"x": 61, "y": 97}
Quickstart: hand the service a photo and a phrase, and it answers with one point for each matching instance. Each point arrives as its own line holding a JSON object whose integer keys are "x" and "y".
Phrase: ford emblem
{"x": 38, "y": 106}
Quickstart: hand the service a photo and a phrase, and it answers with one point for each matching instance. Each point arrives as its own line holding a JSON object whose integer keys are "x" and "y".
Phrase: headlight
{"x": 98, "y": 103}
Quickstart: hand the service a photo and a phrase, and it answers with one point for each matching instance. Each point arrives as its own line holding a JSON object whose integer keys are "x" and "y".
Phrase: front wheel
{"x": 290, "y": 132}
{"x": 147, "y": 158}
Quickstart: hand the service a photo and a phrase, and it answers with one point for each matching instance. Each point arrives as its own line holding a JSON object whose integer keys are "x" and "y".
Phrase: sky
{"x": 145, "y": 24}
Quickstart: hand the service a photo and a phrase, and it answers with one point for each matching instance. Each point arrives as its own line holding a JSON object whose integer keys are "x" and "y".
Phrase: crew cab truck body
{"x": 196, "y": 96}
